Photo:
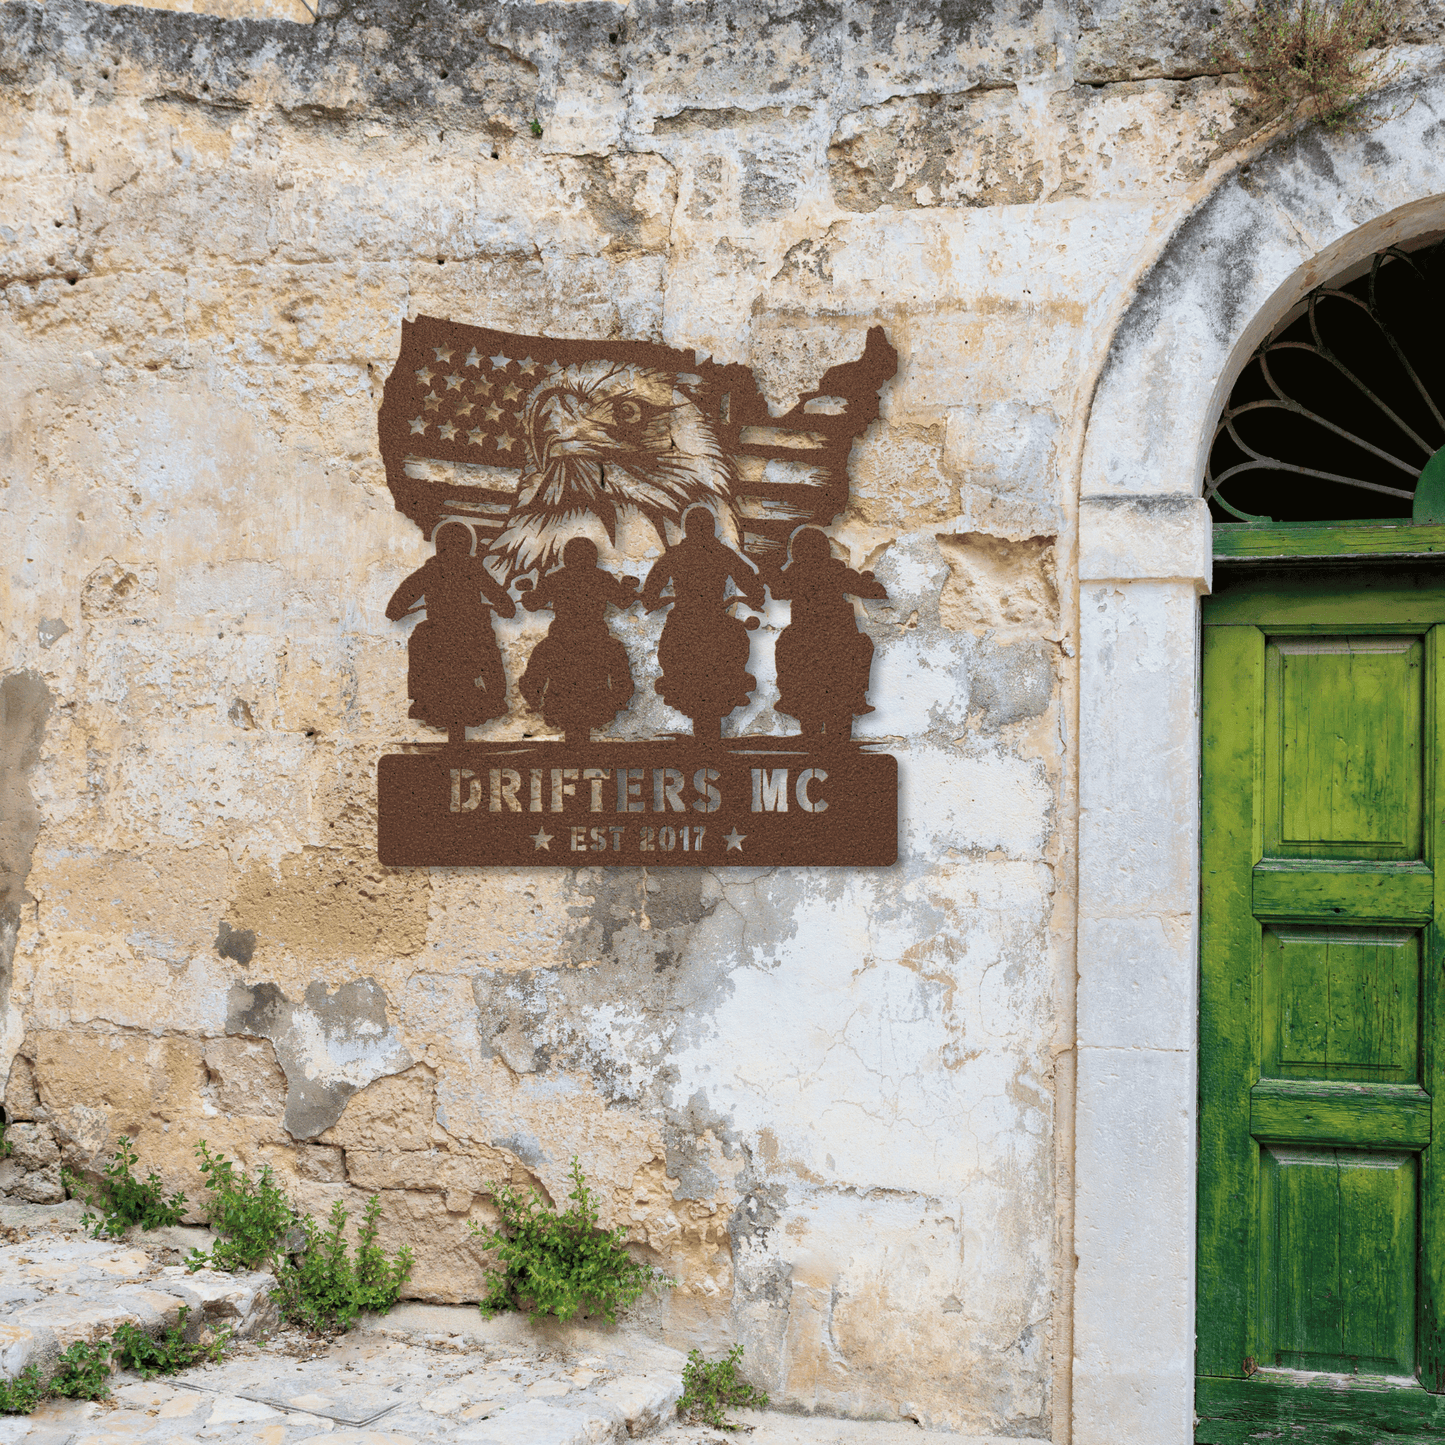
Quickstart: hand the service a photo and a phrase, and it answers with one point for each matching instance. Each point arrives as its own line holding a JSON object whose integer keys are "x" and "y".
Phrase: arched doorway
{"x": 1301, "y": 212}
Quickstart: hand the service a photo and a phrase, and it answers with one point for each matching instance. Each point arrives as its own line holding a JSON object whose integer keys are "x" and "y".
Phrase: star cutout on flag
{"x": 494, "y": 412}
{"x": 542, "y": 840}
{"x": 425, "y": 375}
{"x": 482, "y": 386}
{"x": 501, "y": 363}
{"x": 464, "y": 410}
{"x": 448, "y": 431}
{"x": 528, "y": 365}
{"x": 454, "y": 382}
{"x": 417, "y": 425}
{"x": 476, "y": 436}
{"x": 442, "y": 353}
{"x": 473, "y": 358}
{"x": 504, "y": 442}
{"x": 734, "y": 840}
{"x": 511, "y": 393}
{"x": 431, "y": 401}
{"x": 554, "y": 368}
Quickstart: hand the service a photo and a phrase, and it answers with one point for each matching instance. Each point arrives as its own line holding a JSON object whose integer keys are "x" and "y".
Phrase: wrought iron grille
{"x": 1335, "y": 416}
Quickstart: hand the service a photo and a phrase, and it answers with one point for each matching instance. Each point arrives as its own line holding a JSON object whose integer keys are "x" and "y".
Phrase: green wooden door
{"x": 1321, "y": 1234}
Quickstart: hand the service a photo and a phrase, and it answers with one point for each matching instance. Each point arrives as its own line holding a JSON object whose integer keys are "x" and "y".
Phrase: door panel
{"x": 1320, "y": 1263}
{"x": 1343, "y": 765}
{"x": 1339, "y": 1249}
{"x": 1340, "y": 1003}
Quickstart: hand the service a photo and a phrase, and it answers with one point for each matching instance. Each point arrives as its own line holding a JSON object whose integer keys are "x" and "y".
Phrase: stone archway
{"x": 1300, "y": 210}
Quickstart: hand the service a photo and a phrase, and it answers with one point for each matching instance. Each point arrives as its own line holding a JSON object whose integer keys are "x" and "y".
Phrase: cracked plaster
{"x": 834, "y": 1106}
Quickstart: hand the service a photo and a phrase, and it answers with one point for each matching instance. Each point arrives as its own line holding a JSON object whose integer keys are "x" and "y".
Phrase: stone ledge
{"x": 60, "y": 1288}
{"x": 1155, "y": 538}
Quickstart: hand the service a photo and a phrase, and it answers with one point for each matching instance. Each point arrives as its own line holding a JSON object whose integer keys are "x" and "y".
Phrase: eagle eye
{"x": 629, "y": 413}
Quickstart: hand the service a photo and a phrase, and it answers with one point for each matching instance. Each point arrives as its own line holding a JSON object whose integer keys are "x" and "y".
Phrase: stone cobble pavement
{"x": 421, "y": 1375}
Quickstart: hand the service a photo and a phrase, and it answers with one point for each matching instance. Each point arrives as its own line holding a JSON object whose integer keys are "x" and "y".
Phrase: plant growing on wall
{"x": 710, "y": 1388}
{"x": 1311, "y": 57}
{"x": 123, "y": 1200}
{"x": 558, "y": 1262}
{"x": 251, "y": 1216}
{"x": 319, "y": 1284}
{"x": 323, "y": 1288}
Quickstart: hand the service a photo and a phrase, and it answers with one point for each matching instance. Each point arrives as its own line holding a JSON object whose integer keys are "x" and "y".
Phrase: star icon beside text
{"x": 542, "y": 840}
{"x": 734, "y": 840}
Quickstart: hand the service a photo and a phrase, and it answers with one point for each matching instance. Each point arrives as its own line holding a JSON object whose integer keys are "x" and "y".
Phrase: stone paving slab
{"x": 421, "y": 1375}
{"x": 56, "y": 1289}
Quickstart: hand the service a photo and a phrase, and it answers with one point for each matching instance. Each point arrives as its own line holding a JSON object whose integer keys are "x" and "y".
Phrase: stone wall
{"x": 835, "y": 1106}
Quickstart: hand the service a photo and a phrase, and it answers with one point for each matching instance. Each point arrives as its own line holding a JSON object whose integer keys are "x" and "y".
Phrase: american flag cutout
{"x": 531, "y": 439}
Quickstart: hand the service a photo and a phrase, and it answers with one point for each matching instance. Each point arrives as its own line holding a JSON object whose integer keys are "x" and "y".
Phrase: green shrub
{"x": 133, "y": 1349}
{"x": 323, "y": 1289}
{"x": 21, "y": 1395}
{"x": 250, "y": 1215}
{"x": 318, "y": 1285}
{"x": 82, "y": 1372}
{"x": 123, "y": 1200}
{"x": 558, "y": 1263}
{"x": 711, "y": 1388}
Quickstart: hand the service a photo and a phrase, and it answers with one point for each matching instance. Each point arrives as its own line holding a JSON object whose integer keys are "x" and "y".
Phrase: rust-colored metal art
{"x": 535, "y": 466}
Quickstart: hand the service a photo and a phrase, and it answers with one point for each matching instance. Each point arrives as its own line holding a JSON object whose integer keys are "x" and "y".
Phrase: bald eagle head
{"x": 602, "y": 440}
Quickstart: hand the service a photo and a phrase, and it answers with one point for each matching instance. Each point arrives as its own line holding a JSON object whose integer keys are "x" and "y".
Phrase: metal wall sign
{"x": 527, "y": 461}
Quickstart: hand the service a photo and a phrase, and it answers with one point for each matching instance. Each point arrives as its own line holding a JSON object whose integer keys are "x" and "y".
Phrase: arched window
{"x": 1340, "y": 415}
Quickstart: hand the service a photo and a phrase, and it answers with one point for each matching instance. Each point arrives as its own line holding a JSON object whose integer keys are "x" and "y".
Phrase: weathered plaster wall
{"x": 835, "y": 1106}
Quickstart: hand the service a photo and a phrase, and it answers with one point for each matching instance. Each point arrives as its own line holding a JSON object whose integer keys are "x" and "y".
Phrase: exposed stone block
{"x": 43, "y": 1186}
{"x": 22, "y": 1101}
{"x": 646, "y": 1401}
{"x": 240, "y": 1302}
{"x": 32, "y": 1146}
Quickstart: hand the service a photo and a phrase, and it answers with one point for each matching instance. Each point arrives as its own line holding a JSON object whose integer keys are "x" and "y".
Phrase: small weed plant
{"x": 5, "y": 1145}
{"x": 1317, "y": 58}
{"x": 325, "y": 1288}
{"x": 556, "y": 1263}
{"x": 710, "y": 1388}
{"x": 82, "y": 1372}
{"x": 251, "y": 1216}
{"x": 319, "y": 1285}
{"x": 123, "y": 1200}
{"x": 133, "y": 1349}
{"x": 21, "y": 1395}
